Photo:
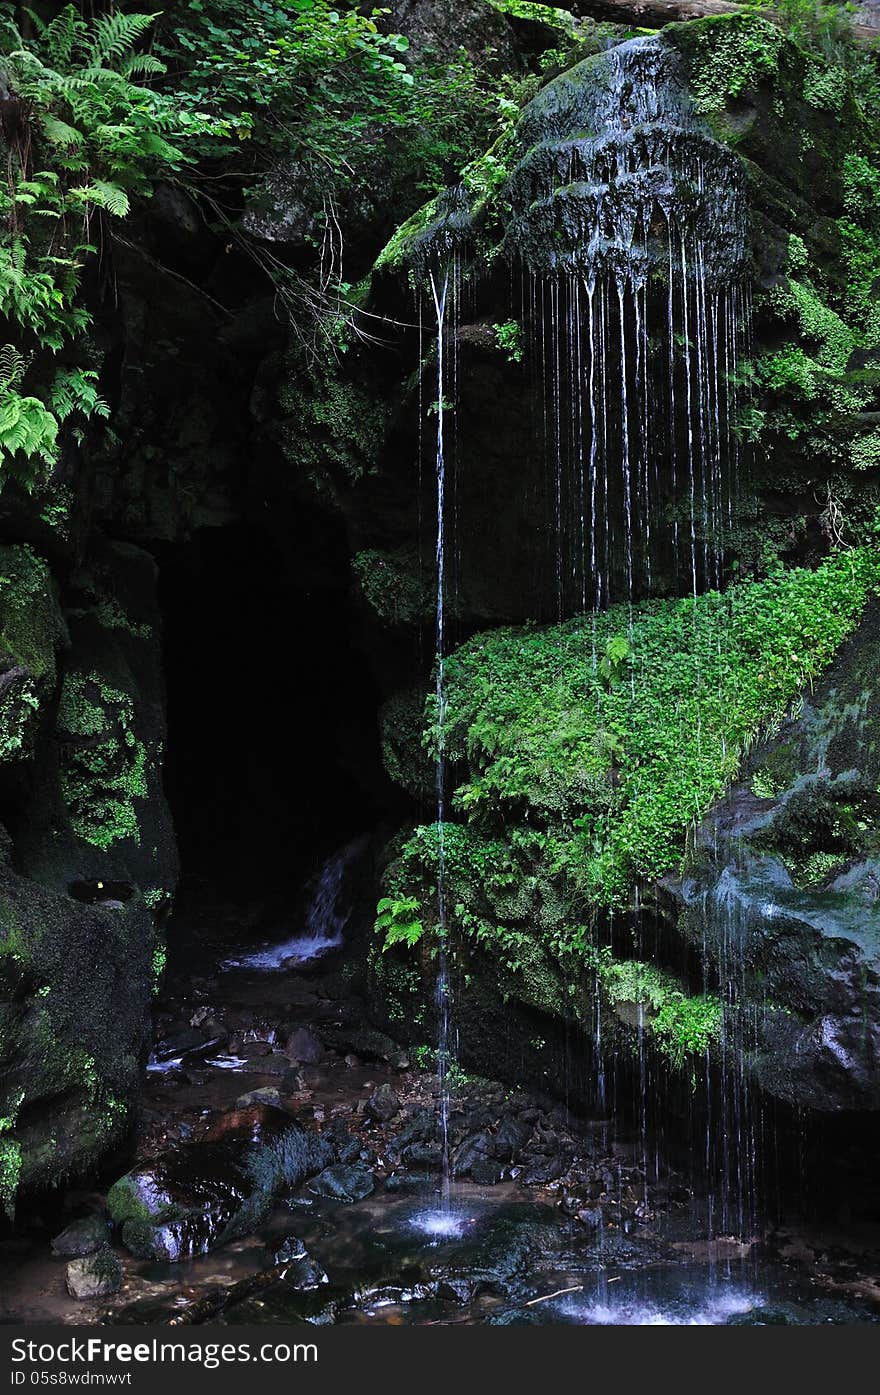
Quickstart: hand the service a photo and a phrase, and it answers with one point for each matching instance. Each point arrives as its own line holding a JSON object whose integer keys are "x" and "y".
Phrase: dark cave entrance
{"x": 273, "y": 755}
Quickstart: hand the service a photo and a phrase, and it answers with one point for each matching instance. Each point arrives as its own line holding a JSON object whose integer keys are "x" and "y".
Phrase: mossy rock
{"x": 94, "y": 848}
{"x": 782, "y": 886}
{"x": 32, "y": 629}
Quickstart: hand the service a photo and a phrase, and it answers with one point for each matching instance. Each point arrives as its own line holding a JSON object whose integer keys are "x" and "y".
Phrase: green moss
{"x": 160, "y": 958}
{"x": 30, "y": 624}
{"x": 728, "y": 55}
{"x": 331, "y": 429}
{"x": 682, "y": 1025}
{"x": 395, "y": 254}
{"x": 158, "y": 899}
{"x": 865, "y": 451}
{"x": 583, "y": 778}
{"x": 31, "y": 628}
{"x": 105, "y": 766}
{"x": 395, "y": 585}
{"x": 10, "y": 1173}
{"x": 125, "y": 1205}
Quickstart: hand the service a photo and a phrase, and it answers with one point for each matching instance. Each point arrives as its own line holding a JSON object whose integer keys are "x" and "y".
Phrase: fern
{"x": 142, "y": 65}
{"x": 115, "y": 35}
{"x": 13, "y": 366}
{"x": 98, "y": 137}
{"x": 110, "y": 197}
{"x": 60, "y": 36}
{"x": 75, "y": 390}
{"x": 59, "y": 132}
{"x": 27, "y": 428}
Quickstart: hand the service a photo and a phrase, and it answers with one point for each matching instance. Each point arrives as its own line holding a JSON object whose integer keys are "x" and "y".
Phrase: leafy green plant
{"x": 26, "y": 425}
{"x": 398, "y": 920}
{"x": 607, "y": 778}
{"x": 509, "y": 338}
{"x": 85, "y": 136}
{"x": 614, "y": 660}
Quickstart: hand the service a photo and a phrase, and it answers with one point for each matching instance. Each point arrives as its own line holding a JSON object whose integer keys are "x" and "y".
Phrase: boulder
{"x": 303, "y": 1047}
{"x": 81, "y": 1238}
{"x": 382, "y": 1105}
{"x": 95, "y": 1276}
{"x": 782, "y": 893}
{"x": 200, "y": 1196}
{"x": 343, "y": 1182}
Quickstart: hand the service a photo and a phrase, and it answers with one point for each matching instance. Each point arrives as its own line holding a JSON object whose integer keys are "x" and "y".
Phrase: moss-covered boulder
{"x": 781, "y": 891}
{"x": 88, "y": 864}
{"x": 580, "y": 758}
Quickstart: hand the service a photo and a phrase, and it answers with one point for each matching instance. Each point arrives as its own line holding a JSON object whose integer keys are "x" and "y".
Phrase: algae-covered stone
{"x": 81, "y": 1238}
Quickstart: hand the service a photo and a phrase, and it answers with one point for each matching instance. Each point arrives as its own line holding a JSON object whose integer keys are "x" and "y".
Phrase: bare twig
{"x": 545, "y": 1298}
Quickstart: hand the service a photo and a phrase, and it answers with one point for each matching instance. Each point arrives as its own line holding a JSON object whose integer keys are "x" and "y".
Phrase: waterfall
{"x": 328, "y": 913}
{"x": 633, "y": 220}
{"x": 628, "y": 222}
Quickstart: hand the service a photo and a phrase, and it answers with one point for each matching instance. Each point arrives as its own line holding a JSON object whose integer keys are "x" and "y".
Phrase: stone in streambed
{"x": 281, "y": 1305}
{"x": 81, "y": 1238}
{"x": 267, "y": 1095}
{"x": 300, "y": 1270}
{"x": 94, "y": 1276}
{"x": 303, "y": 1047}
{"x": 343, "y": 1183}
{"x": 276, "y": 1064}
{"x": 342, "y": 1140}
{"x": 540, "y": 1170}
{"x": 257, "y": 1115}
{"x": 486, "y": 1172}
{"x": 206, "y": 1194}
{"x": 382, "y": 1105}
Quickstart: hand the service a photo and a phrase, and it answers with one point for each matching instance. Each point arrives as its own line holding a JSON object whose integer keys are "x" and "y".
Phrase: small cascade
{"x": 328, "y": 913}
{"x": 630, "y": 221}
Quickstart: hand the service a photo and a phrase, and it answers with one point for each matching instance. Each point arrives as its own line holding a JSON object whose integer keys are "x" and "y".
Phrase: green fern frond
{"x": 75, "y": 390}
{"x": 142, "y": 65}
{"x": 58, "y": 132}
{"x": 27, "y": 427}
{"x": 115, "y": 35}
{"x": 13, "y": 366}
{"x": 102, "y": 194}
{"x": 60, "y": 36}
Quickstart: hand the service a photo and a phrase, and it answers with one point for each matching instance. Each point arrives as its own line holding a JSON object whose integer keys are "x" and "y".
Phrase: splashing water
{"x": 710, "y": 1309}
{"x": 327, "y": 916}
{"x": 443, "y": 1224}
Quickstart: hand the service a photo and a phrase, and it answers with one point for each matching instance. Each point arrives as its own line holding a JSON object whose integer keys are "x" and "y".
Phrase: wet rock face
{"x": 344, "y": 1182}
{"x": 444, "y": 30}
{"x": 608, "y": 157}
{"x": 784, "y": 893}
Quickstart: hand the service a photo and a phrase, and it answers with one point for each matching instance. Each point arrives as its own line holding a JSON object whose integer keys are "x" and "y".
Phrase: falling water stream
{"x": 439, "y": 292}
{"x": 628, "y": 220}
{"x": 631, "y": 221}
